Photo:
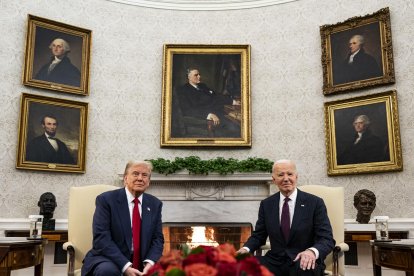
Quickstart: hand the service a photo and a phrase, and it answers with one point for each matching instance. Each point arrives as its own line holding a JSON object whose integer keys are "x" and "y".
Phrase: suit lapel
{"x": 300, "y": 211}
{"x": 146, "y": 218}
{"x": 123, "y": 214}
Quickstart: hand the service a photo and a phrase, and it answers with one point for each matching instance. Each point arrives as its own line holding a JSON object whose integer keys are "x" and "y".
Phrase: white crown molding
{"x": 202, "y": 5}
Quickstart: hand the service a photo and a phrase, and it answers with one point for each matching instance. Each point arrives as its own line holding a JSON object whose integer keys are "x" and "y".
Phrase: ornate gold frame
{"x": 176, "y": 58}
{"x": 377, "y": 28}
{"x": 382, "y": 108}
{"x": 72, "y": 129}
{"x": 40, "y": 33}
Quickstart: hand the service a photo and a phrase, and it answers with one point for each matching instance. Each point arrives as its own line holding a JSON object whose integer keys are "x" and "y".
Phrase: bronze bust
{"x": 47, "y": 204}
{"x": 364, "y": 202}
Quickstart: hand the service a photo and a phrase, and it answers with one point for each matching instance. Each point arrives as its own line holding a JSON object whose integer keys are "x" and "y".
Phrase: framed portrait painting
{"x": 57, "y": 56}
{"x": 206, "y": 96}
{"x": 363, "y": 135}
{"x": 357, "y": 53}
{"x": 52, "y": 134}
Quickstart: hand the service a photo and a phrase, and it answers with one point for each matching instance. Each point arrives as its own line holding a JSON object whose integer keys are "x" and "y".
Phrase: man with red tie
{"x": 297, "y": 225}
{"x": 127, "y": 227}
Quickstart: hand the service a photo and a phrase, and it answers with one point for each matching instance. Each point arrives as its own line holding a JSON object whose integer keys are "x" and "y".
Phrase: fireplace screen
{"x": 195, "y": 234}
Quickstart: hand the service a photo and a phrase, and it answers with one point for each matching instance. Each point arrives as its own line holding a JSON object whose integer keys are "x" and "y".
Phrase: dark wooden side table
{"x": 57, "y": 236}
{"x": 397, "y": 255}
{"x": 17, "y": 253}
{"x": 352, "y": 238}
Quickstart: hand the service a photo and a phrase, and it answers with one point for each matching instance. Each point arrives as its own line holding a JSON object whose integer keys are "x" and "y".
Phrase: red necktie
{"x": 136, "y": 234}
{"x": 285, "y": 219}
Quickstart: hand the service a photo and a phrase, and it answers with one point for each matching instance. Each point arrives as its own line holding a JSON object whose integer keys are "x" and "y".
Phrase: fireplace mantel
{"x": 185, "y": 186}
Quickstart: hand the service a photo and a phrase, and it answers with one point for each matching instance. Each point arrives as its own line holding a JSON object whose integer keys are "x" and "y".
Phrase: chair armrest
{"x": 342, "y": 247}
{"x": 338, "y": 249}
{"x": 70, "y": 248}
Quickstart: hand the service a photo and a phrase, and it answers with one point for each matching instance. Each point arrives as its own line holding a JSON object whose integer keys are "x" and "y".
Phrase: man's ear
{"x": 38, "y": 203}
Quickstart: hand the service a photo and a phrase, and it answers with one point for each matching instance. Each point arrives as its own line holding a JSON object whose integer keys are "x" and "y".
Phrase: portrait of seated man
{"x": 197, "y": 100}
{"x": 357, "y": 65}
{"x": 59, "y": 68}
{"x": 46, "y": 147}
{"x": 364, "y": 202}
{"x": 364, "y": 146}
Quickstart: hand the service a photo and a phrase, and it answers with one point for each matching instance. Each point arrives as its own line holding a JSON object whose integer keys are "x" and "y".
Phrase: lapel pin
{"x": 302, "y": 205}
{"x": 148, "y": 208}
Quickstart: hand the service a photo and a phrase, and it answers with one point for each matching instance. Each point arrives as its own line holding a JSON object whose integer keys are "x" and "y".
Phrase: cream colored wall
{"x": 125, "y": 98}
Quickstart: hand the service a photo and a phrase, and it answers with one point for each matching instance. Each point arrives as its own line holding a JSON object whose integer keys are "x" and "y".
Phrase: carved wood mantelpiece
{"x": 184, "y": 186}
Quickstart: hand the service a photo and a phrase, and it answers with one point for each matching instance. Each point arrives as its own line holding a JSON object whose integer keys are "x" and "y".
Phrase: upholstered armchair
{"x": 81, "y": 210}
{"x": 334, "y": 201}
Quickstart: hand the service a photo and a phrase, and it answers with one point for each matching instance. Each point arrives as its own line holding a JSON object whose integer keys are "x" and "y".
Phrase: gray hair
{"x": 284, "y": 161}
{"x": 360, "y": 38}
{"x": 364, "y": 118}
{"x": 135, "y": 163}
{"x": 66, "y": 46}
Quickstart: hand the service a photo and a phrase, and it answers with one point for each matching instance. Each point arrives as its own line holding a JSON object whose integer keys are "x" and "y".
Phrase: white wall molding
{"x": 202, "y": 5}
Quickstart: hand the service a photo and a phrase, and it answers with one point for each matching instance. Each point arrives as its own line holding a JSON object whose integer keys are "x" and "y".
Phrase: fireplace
{"x": 211, "y": 234}
{"x": 227, "y": 204}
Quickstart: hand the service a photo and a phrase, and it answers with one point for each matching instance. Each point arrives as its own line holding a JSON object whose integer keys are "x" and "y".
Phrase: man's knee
{"x": 106, "y": 269}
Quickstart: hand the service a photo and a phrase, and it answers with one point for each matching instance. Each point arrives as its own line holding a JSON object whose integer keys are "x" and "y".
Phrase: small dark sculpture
{"x": 364, "y": 202}
{"x": 47, "y": 204}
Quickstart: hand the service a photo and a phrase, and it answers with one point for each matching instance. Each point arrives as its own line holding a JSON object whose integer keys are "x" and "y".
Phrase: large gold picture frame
{"x": 57, "y": 56}
{"x": 215, "y": 112}
{"x": 52, "y": 134}
{"x": 363, "y": 135}
{"x": 369, "y": 62}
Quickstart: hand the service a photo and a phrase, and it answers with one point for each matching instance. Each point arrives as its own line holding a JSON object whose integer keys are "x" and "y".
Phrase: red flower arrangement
{"x": 208, "y": 261}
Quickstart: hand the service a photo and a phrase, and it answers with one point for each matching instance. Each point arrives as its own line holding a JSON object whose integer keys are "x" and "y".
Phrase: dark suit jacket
{"x": 200, "y": 102}
{"x": 363, "y": 67}
{"x": 370, "y": 148}
{"x": 112, "y": 233}
{"x": 310, "y": 228}
{"x": 64, "y": 73}
{"x": 40, "y": 150}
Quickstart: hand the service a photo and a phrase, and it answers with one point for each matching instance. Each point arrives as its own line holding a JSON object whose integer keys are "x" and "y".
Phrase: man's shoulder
{"x": 38, "y": 139}
{"x": 152, "y": 198}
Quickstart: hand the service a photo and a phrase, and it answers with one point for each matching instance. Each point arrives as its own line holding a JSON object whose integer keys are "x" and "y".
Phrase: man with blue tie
{"x": 297, "y": 225}
{"x": 127, "y": 227}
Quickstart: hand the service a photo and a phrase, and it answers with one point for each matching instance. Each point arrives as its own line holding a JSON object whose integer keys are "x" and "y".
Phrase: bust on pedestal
{"x": 364, "y": 202}
{"x": 47, "y": 204}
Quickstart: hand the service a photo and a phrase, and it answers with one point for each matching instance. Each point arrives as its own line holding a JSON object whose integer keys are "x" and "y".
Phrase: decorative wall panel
{"x": 125, "y": 92}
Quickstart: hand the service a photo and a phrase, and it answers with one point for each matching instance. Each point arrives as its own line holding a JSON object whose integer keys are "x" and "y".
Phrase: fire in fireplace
{"x": 195, "y": 234}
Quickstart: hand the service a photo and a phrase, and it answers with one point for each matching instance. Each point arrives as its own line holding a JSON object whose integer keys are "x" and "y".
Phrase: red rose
{"x": 250, "y": 266}
{"x": 200, "y": 270}
{"x": 226, "y": 269}
{"x": 156, "y": 269}
{"x": 195, "y": 258}
{"x": 227, "y": 248}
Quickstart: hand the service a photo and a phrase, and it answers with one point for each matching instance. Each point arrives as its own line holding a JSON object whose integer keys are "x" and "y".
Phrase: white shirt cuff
{"x": 126, "y": 266}
{"x": 314, "y": 250}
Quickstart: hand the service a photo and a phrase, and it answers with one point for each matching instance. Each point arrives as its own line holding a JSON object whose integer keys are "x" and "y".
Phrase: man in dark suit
{"x": 115, "y": 231}
{"x": 365, "y": 147}
{"x": 297, "y": 225}
{"x": 358, "y": 65}
{"x": 59, "y": 69}
{"x": 199, "y": 101}
{"x": 46, "y": 147}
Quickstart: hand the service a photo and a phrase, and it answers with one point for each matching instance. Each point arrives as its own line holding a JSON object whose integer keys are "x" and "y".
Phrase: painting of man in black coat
{"x": 356, "y": 54}
{"x": 365, "y": 146}
{"x": 59, "y": 68}
{"x": 46, "y": 147}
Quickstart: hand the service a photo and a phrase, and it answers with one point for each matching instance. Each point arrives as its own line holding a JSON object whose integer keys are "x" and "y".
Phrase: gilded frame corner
{"x": 180, "y": 126}
{"x": 69, "y": 76}
{"x": 377, "y": 150}
{"x": 375, "y": 30}
{"x": 33, "y": 151}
